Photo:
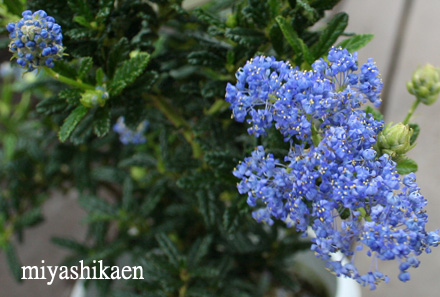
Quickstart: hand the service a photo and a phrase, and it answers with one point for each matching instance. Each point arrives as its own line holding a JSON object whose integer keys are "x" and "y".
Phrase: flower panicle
{"x": 338, "y": 184}
{"x": 36, "y": 40}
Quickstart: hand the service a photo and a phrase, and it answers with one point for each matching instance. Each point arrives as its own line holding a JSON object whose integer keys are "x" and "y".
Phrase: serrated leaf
{"x": 107, "y": 174}
{"x": 105, "y": 8}
{"x": 13, "y": 261}
{"x": 127, "y": 193}
{"x": 118, "y": 53}
{"x": 208, "y": 18}
{"x": 169, "y": 248}
{"x": 149, "y": 204}
{"x": 97, "y": 206}
{"x": 80, "y": 7}
{"x": 70, "y": 244}
{"x": 84, "y": 67}
{"x": 330, "y": 34}
{"x": 71, "y": 122}
{"x": 79, "y": 33}
{"x": 245, "y": 36}
{"x": 101, "y": 123}
{"x": 99, "y": 76}
{"x": 322, "y": 5}
{"x": 30, "y": 218}
{"x": 205, "y": 58}
{"x": 309, "y": 12}
{"x": 406, "y": 166}
{"x": 356, "y": 42}
{"x": 230, "y": 220}
{"x": 416, "y": 131}
{"x": 127, "y": 73}
{"x": 71, "y": 96}
{"x": 199, "y": 250}
{"x": 9, "y": 142}
{"x": 276, "y": 39}
{"x": 83, "y": 131}
{"x": 207, "y": 208}
{"x": 298, "y": 45}
{"x": 139, "y": 159}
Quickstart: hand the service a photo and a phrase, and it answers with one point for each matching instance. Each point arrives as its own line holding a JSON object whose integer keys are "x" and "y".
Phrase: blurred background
{"x": 406, "y": 37}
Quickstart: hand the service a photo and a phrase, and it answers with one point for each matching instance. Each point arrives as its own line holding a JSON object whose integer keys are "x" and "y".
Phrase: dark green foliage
{"x": 72, "y": 121}
{"x": 170, "y": 204}
{"x": 406, "y": 166}
{"x": 329, "y": 35}
{"x": 416, "y": 131}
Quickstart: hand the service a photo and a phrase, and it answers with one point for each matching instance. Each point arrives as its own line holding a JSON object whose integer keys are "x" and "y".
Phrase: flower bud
{"x": 425, "y": 84}
{"x": 92, "y": 98}
{"x": 394, "y": 140}
{"x": 37, "y": 38}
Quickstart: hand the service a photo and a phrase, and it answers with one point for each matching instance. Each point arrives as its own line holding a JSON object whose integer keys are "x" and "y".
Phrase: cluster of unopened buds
{"x": 333, "y": 178}
{"x": 36, "y": 40}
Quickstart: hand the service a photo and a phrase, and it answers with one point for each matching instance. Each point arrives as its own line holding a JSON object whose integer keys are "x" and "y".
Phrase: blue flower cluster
{"x": 127, "y": 136}
{"x": 36, "y": 40}
{"x": 332, "y": 178}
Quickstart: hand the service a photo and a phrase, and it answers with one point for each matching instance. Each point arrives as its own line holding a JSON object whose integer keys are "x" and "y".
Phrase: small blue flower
{"x": 36, "y": 40}
{"x": 127, "y": 136}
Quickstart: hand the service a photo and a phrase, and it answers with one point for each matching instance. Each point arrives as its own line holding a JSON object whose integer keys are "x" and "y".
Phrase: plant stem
{"x": 69, "y": 81}
{"x": 411, "y": 111}
{"x": 178, "y": 121}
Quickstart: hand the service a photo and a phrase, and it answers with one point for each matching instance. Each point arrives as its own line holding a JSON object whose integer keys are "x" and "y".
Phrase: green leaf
{"x": 356, "y": 42}
{"x": 127, "y": 193}
{"x": 322, "y": 5}
{"x": 230, "y": 220}
{"x": 108, "y": 174}
{"x": 127, "y": 73}
{"x": 206, "y": 58}
{"x": 139, "y": 159}
{"x": 118, "y": 53}
{"x": 99, "y": 76}
{"x": 276, "y": 39}
{"x": 84, "y": 67}
{"x": 309, "y": 12}
{"x": 71, "y": 96}
{"x": 330, "y": 34}
{"x": 376, "y": 114}
{"x": 97, "y": 206}
{"x": 9, "y": 142}
{"x": 101, "y": 124}
{"x": 71, "y": 121}
{"x": 13, "y": 261}
{"x": 298, "y": 45}
{"x": 416, "y": 131}
{"x": 199, "y": 250}
{"x": 207, "y": 208}
{"x": 14, "y": 6}
{"x": 406, "y": 166}
{"x": 246, "y": 36}
{"x": 81, "y": 20}
{"x": 70, "y": 244}
{"x": 208, "y": 18}
{"x": 81, "y": 7}
{"x": 169, "y": 248}
{"x": 30, "y": 218}
{"x": 275, "y": 7}
{"x": 51, "y": 105}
